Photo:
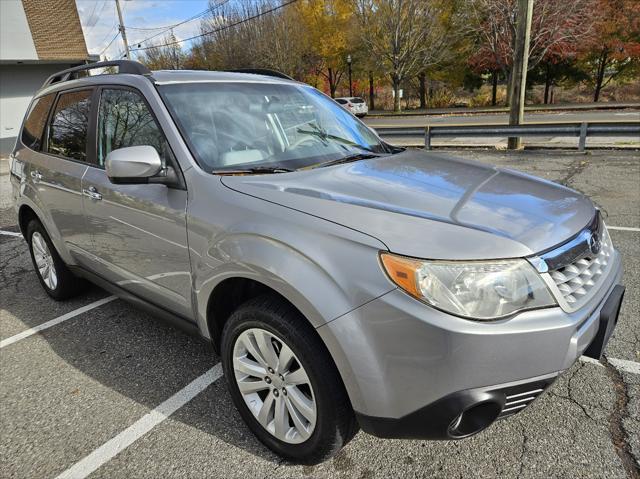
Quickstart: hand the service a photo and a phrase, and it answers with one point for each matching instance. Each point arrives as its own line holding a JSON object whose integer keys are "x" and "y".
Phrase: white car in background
{"x": 355, "y": 105}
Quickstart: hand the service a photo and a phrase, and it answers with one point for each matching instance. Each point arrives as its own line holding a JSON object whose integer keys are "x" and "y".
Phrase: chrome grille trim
{"x": 572, "y": 272}
{"x": 575, "y": 284}
{"x": 515, "y": 408}
{"x": 516, "y": 402}
{"x": 521, "y": 394}
{"x": 526, "y": 393}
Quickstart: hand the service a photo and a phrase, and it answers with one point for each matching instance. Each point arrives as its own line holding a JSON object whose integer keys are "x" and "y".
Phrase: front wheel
{"x": 284, "y": 383}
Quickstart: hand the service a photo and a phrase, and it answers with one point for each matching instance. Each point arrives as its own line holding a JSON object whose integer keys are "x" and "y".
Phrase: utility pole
{"x": 122, "y": 31}
{"x": 519, "y": 70}
{"x": 350, "y": 82}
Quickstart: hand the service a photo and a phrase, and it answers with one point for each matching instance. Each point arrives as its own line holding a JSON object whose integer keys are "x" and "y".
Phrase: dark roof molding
{"x": 122, "y": 66}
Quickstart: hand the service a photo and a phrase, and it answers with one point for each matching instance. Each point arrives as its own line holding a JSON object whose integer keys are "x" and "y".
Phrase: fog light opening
{"x": 474, "y": 419}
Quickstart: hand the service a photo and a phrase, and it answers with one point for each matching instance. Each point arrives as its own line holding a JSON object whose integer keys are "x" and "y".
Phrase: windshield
{"x": 256, "y": 125}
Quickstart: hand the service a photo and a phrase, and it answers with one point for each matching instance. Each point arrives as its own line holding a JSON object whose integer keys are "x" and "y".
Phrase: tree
{"x": 405, "y": 36}
{"x": 558, "y": 28}
{"x": 252, "y": 34}
{"x": 166, "y": 55}
{"x": 329, "y": 36}
{"x": 614, "y": 50}
{"x": 554, "y": 70}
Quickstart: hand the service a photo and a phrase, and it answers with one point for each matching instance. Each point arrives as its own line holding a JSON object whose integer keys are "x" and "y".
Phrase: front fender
{"x": 312, "y": 287}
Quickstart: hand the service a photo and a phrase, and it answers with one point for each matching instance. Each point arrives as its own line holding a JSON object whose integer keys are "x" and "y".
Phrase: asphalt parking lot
{"x": 111, "y": 392}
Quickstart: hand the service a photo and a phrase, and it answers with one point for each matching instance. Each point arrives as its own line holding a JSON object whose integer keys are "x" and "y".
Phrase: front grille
{"x": 577, "y": 281}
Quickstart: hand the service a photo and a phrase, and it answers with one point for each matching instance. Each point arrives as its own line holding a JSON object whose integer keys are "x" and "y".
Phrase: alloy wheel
{"x": 274, "y": 385}
{"x": 44, "y": 261}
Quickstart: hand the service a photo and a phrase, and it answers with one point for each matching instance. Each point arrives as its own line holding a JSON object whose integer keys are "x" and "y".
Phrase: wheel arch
{"x": 232, "y": 291}
{"x": 25, "y": 214}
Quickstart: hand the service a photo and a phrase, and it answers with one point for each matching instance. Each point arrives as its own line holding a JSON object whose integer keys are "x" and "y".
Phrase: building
{"x": 37, "y": 39}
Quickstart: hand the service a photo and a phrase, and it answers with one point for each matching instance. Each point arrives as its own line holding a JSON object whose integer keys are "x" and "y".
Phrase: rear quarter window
{"x": 33, "y": 129}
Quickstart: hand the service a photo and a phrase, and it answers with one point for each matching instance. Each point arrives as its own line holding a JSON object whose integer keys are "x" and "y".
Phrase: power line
{"x": 95, "y": 6}
{"x": 169, "y": 27}
{"x": 113, "y": 27}
{"x": 226, "y": 27}
{"x": 112, "y": 40}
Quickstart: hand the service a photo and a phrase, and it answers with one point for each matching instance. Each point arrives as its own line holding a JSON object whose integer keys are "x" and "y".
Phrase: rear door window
{"x": 70, "y": 124}
{"x": 36, "y": 121}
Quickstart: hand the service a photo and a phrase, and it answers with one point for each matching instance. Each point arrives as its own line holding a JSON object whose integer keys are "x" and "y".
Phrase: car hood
{"x": 431, "y": 205}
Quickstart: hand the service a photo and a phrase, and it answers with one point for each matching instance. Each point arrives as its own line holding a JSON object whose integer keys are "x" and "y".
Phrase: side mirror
{"x": 133, "y": 164}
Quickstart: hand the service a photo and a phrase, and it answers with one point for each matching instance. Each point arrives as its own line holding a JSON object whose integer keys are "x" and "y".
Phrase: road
{"x": 488, "y": 118}
{"x": 82, "y": 397}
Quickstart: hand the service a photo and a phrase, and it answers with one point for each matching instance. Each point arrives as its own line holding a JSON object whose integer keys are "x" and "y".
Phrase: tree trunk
{"x": 422, "y": 77}
{"x": 395, "y": 80}
{"x": 547, "y": 84}
{"x": 602, "y": 64}
{"x": 371, "y": 92}
{"x": 332, "y": 83}
{"x": 508, "y": 97}
{"x": 494, "y": 87}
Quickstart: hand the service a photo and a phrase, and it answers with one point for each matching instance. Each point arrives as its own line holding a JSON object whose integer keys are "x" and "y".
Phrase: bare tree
{"x": 405, "y": 36}
{"x": 557, "y": 26}
{"x": 166, "y": 55}
{"x": 251, "y": 34}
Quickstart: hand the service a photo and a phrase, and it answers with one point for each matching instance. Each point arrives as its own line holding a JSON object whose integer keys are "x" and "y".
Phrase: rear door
{"x": 138, "y": 231}
{"x": 56, "y": 172}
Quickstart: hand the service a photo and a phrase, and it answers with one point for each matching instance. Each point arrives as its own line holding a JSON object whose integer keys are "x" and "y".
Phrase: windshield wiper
{"x": 323, "y": 135}
{"x": 252, "y": 170}
{"x": 347, "y": 159}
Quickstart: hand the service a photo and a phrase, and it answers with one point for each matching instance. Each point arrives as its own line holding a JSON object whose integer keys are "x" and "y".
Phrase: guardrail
{"x": 580, "y": 130}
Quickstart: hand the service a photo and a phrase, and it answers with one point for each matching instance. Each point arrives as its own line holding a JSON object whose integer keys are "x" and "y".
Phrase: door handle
{"x": 92, "y": 193}
{"x": 36, "y": 175}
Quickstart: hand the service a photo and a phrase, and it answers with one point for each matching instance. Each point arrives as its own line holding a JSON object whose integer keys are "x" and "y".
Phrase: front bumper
{"x": 460, "y": 414}
{"x": 408, "y": 368}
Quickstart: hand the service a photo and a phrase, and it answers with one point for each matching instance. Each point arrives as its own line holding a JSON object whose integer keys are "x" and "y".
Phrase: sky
{"x": 99, "y": 21}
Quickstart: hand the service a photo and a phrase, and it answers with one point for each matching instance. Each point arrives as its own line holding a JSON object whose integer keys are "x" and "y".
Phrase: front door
{"x": 139, "y": 231}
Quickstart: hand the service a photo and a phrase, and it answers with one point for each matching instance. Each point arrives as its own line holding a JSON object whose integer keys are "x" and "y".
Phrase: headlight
{"x": 475, "y": 289}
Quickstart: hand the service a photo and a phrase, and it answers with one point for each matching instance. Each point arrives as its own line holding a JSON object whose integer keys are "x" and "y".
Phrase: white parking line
{"x": 622, "y": 228}
{"x": 624, "y": 365}
{"x": 10, "y": 233}
{"x": 142, "y": 426}
{"x": 620, "y": 364}
{"x": 53, "y": 322}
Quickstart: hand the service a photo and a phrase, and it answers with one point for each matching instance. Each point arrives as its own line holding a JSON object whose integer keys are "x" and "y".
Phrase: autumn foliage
{"x": 407, "y": 43}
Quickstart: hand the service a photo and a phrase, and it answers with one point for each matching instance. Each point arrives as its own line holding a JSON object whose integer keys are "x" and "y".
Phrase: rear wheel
{"x": 284, "y": 382}
{"x": 56, "y": 279}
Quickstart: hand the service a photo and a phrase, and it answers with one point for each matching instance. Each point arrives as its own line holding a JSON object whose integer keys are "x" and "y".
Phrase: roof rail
{"x": 262, "y": 71}
{"x": 124, "y": 66}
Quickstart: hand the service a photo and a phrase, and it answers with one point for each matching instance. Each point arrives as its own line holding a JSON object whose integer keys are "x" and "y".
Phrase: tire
{"x": 334, "y": 424}
{"x": 63, "y": 284}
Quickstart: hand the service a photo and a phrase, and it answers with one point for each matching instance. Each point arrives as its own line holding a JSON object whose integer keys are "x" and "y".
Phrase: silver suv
{"x": 345, "y": 283}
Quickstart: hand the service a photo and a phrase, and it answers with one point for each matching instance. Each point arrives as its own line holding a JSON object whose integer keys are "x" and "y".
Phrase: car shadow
{"x": 126, "y": 350}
